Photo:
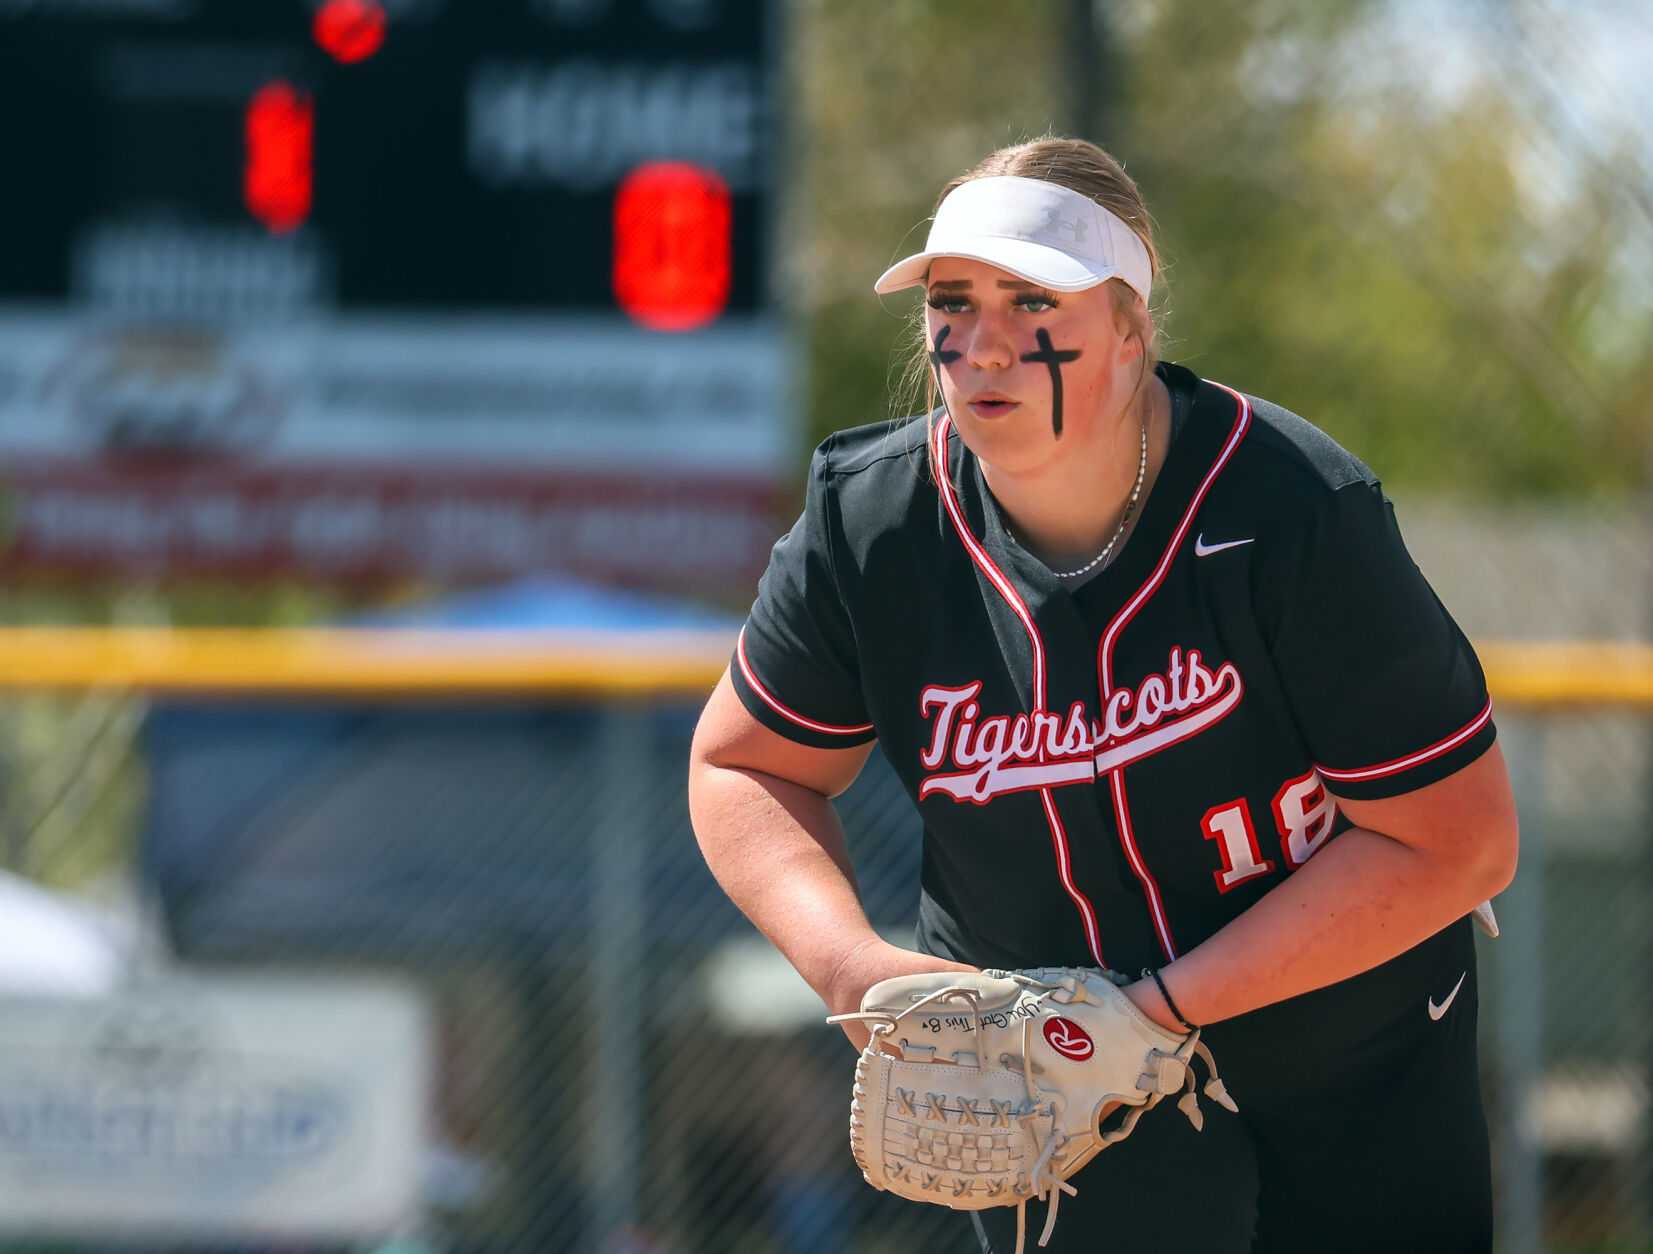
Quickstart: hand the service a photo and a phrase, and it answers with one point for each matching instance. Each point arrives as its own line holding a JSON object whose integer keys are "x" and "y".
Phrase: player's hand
{"x": 870, "y": 962}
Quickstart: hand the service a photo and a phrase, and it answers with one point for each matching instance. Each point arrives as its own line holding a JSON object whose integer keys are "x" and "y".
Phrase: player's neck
{"x": 1069, "y": 510}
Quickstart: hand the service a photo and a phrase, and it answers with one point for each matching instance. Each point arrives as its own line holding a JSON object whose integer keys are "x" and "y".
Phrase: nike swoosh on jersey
{"x": 1202, "y": 549}
{"x": 1435, "y": 1012}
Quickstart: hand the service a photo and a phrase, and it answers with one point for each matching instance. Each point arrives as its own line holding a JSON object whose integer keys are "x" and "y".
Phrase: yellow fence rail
{"x": 414, "y": 663}
{"x": 417, "y": 663}
{"x": 1562, "y": 674}
{"x": 388, "y": 663}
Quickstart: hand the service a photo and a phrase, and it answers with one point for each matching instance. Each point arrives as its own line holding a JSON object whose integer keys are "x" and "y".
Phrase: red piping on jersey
{"x": 784, "y": 711}
{"x": 1122, "y": 808}
{"x": 995, "y": 576}
{"x": 1397, "y": 765}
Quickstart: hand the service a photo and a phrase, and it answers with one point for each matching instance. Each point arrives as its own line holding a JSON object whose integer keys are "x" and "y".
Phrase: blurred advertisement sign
{"x": 363, "y": 448}
{"x": 254, "y": 1107}
{"x": 372, "y": 289}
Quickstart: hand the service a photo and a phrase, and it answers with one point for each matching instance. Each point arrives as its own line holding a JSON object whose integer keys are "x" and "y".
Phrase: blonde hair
{"x": 1080, "y": 166}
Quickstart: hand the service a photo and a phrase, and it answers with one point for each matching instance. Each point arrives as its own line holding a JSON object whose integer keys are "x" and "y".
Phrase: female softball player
{"x": 1169, "y": 696}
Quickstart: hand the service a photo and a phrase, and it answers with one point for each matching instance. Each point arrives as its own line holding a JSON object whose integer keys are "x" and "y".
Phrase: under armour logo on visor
{"x": 1054, "y": 221}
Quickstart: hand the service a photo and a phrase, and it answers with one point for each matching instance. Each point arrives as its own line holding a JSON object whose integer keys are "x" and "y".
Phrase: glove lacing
{"x": 1050, "y": 1185}
{"x": 1047, "y": 1150}
{"x": 1044, "y": 1184}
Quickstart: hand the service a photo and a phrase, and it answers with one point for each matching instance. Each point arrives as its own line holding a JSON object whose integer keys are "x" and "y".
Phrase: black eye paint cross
{"x": 1053, "y": 358}
{"x": 940, "y": 357}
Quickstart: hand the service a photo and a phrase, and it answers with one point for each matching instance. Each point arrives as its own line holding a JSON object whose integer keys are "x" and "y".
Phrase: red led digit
{"x": 349, "y": 30}
{"x": 672, "y": 245}
{"x": 280, "y": 134}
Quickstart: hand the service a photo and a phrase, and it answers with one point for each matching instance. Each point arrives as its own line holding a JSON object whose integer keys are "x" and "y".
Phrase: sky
{"x": 1580, "y": 66}
{"x": 1577, "y": 74}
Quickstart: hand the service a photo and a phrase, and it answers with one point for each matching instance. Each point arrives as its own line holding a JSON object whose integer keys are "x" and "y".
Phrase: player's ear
{"x": 1130, "y": 320}
{"x": 1140, "y": 351}
{"x": 1135, "y": 342}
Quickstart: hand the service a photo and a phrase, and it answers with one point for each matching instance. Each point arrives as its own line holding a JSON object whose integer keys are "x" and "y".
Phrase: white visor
{"x": 1038, "y": 231}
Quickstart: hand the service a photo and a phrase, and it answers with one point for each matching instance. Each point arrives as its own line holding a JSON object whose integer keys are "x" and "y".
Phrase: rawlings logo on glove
{"x": 988, "y": 1090}
{"x": 1068, "y": 1039}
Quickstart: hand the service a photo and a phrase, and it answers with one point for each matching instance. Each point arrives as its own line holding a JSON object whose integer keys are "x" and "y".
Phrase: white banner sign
{"x": 343, "y": 448}
{"x": 455, "y": 392}
{"x": 251, "y": 1107}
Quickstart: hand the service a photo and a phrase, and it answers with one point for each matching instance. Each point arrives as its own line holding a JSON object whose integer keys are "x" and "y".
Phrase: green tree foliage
{"x": 1362, "y": 221}
{"x": 895, "y": 96}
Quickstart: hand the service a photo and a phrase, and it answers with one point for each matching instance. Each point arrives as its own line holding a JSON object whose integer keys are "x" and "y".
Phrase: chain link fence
{"x": 618, "y": 1063}
{"x": 1423, "y": 225}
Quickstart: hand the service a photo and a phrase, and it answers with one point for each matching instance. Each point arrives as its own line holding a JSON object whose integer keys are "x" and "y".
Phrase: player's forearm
{"x": 1359, "y": 902}
{"x": 778, "y": 850}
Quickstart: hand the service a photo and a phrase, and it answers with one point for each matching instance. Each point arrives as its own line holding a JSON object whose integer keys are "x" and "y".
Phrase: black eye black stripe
{"x": 1053, "y": 358}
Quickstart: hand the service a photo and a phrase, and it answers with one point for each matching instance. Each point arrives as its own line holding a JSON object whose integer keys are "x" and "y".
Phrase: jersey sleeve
{"x": 795, "y": 665}
{"x": 1386, "y": 689}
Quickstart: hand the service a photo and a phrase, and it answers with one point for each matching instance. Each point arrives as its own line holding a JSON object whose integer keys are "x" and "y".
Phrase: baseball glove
{"x": 986, "y": 1090}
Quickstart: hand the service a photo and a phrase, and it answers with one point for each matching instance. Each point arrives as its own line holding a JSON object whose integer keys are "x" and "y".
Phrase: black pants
{"x": 1377, "y": 1143}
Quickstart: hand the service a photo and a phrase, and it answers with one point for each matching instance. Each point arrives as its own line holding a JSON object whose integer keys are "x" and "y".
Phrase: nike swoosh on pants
{"x": 1435, "y": 1012}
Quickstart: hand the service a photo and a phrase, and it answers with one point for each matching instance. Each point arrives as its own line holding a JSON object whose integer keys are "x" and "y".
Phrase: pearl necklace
{"x": 1124, "y": 519}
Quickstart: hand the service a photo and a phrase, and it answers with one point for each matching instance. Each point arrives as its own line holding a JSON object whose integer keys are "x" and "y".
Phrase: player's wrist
{"x": 848, "y": 979}
{"x": 1147, "y": 998}
{"x": 871, "y": 961}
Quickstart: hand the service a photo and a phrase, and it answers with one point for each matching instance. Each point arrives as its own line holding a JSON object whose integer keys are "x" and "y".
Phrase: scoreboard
{"x": 427, "y": 153}
{"x": 424, "y": 252}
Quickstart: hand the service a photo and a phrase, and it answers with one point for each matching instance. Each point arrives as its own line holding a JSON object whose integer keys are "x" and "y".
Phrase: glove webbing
{"x": 1047, "y": 1186}
{"x": 885, "y": 1023}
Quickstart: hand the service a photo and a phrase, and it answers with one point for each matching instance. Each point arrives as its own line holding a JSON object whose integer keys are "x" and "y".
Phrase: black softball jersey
{"x": 1109, "y": 774}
